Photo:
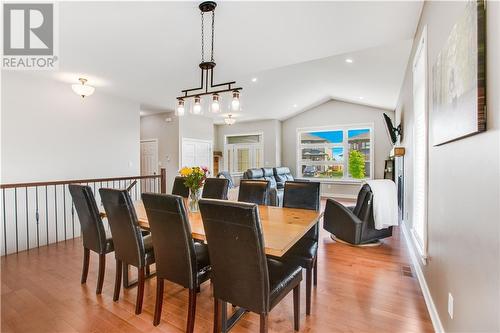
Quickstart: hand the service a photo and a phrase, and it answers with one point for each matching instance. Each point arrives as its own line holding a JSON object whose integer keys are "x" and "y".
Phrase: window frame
{"x": 230, "y": 165}
{"x": 420, "y": 241}
{"x": 345, "y": 145}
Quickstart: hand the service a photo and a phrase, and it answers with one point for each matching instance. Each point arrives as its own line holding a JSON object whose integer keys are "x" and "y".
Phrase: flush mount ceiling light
{"x": 207, "y": 74}
{"x": 83, "y": 89}
{"x": 229, "y": 120}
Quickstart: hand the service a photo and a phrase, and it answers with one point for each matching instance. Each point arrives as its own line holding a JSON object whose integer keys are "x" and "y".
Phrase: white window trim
{"x": 227, "y": 145}
{"x": 421, "y": 245}
{"x": 345, "y": 145}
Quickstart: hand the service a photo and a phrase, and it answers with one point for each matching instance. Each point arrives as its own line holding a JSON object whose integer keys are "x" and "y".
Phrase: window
{"x": 419, "y": 221}
{"x": 243, "y": 152}
{"x": 342, "y": 153}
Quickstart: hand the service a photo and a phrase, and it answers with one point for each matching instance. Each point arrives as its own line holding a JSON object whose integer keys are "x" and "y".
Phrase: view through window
{"x": 343, "y": 153}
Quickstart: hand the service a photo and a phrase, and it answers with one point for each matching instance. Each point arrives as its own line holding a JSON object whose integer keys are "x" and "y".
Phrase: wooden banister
{"x": 162, "y": 176}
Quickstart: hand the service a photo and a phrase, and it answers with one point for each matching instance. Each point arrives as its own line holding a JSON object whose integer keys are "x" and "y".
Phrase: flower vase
{"x": 194, "y": 198}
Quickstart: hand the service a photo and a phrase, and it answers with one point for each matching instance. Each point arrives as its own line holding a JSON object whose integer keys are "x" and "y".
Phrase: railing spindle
{"x": 73, "y": 217}
{"x": 64, "y": 210}
{"x": 47, "y": 214}
{"x": 37, "y": 217}
{"x": 15, "y": 207}
{"x": 4, "y": 223}
{"x": 55, "y": 212}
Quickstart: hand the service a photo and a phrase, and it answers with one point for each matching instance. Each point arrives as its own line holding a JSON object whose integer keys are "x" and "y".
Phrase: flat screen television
{"x": 394, "y": 132}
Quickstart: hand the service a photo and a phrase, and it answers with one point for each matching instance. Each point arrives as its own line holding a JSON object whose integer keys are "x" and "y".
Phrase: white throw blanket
{"x": 385, "y": 203}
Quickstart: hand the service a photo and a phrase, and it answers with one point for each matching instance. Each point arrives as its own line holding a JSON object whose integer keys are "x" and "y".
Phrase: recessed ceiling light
{"x": 295, "y": 105}
{"x": 361, "y": 97}
{"x": 349, "y": 60}
{"x": 254, "y": 79}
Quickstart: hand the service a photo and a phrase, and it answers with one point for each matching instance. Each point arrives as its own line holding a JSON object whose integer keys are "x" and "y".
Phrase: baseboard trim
{"x": 431, "y": 307}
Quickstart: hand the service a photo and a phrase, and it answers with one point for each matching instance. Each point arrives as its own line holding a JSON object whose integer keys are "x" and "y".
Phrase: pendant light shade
{"x": 235, "y": 103}
{"x": 197, "y": 105}
{"x": 215, "y": 103}
{"x": 180, "y": 108}
{"x": 83, "y": 89}
{"x": 229, "y": 120}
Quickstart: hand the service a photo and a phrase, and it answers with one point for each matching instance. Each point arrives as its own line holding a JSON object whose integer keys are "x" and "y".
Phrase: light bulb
{"x": 215, "y": 103}
{"x": 180, "y": 108}
{"x": 235, "y": 103}
{"x": 197, "y": 105}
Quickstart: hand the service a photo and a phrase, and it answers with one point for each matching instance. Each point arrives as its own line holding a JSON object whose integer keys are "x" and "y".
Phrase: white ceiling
{"x": 149, "y": 51}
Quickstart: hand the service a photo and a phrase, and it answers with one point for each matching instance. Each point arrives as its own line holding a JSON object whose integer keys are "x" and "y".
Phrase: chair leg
{"x": 263, "y": 323}
{"x": 118, "y": 280}
{"x": 85, "y": 269}
{"x": 191, "y": 311}
{"x": 296, "y": 307}
{"x": 316, "y": 272}
{"x": 100, "y": 277}
{"x": 159, "y": 301}
{"x": 217, "y": 315}
{"x": 308, "y": 290}
{"x": 148, "y": 270}
{"x": 140, "y": 290}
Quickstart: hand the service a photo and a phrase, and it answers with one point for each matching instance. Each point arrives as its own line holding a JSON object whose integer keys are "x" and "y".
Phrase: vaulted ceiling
{"x": 149, "y": 51}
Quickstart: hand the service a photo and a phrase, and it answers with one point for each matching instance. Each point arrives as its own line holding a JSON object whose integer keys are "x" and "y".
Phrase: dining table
{"x": 282, "y": 227}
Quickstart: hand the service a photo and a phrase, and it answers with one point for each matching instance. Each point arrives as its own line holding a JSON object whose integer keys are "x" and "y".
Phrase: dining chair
{"x": 215, "y": 188}
{"x": 178, "y": 258}
{"x": 94, "y": 236}
{"x": 131, "y": 247}
{"x": 179, "y": 188}
{"x": 241, "y": 274}
{"x": 254, "y": 191}
{"x": 304, "y": 195}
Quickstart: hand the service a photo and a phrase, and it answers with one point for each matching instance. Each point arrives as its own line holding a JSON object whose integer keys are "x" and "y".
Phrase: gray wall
{"x": 167, "y": 133}
{"x": 196, "y": 127}
{"x": 272, "y": 138}
{"x": 335, "y": 113}
{"x": 463, "y": 202}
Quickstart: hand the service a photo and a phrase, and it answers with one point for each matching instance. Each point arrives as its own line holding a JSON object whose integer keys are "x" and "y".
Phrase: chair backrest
{"x": 363, "y": 203}
{"x": 227, "y": 175}
{"x": 269, "y": 175}
{"x": 282, "y": 174}
{"x": 304, "y": 195}
{"x": 236, "y": 250}
{"x": 179, "y": 188}
{"x": 127, "y": 236}
{"x": 215, "y": 188}
{"x": 172, "y": 241}
{"x": 254, "y": 191}
{"x": 93, "y": 233}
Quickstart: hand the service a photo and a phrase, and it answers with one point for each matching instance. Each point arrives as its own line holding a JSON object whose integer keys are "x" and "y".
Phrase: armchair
{"x": 354, "y": 225}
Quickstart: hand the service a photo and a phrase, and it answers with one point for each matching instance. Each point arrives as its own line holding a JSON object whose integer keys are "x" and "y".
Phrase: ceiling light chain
{"x": 207, "y": 74}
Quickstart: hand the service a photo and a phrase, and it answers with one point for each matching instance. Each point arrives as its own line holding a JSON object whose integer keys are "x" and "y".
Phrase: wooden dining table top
{"x": 282, "y": 227}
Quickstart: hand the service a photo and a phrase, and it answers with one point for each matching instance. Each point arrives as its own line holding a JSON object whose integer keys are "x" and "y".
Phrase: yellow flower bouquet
{"x": 194, "y": 178}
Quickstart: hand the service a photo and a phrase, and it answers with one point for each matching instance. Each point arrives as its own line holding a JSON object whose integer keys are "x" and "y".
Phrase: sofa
{"x": 276, "y": 177}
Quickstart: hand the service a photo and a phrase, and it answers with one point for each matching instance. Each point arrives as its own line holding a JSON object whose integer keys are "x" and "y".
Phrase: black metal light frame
{"x": 207, "y": 67}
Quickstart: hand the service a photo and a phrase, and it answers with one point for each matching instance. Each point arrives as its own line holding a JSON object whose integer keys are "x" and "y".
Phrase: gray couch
{"x": 276, "y": 177}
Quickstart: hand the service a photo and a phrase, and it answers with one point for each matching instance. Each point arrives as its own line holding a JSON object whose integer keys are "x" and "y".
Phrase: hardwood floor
{"x": 359, "y": 290}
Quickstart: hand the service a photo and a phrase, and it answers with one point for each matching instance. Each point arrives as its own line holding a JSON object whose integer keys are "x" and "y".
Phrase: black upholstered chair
{"x": 131, "y": 247}
{"x": 179, "y": 188}
{"x": 354, "y": 225}
{"x": 241, "y": 273}
{"x": 215, "y": 188}
{"x": 282, "y": 175}
{"x": 304, "y": 195}
{"x": 274, "y": 195}
{"x": 227, "y": 175}
{"x": 254, "y": 191}
{"x": 94, "y": 236}
{"x": 178, "y": 258}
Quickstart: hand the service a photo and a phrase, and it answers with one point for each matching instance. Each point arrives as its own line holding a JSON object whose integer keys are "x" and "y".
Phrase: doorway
{"x": 149, "y": 157}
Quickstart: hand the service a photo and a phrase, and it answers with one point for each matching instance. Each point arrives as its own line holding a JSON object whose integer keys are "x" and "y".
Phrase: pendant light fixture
{"x": 207, "y": 85}
{"x": 83, "y": 89}
{"x": 229, "y": 120}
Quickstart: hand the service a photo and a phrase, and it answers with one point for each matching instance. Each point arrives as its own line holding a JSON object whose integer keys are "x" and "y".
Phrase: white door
{"x": 196, "y": 153}
{"x": 149, "y": 157}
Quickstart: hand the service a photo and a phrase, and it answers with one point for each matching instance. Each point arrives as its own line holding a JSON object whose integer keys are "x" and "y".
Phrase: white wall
{"x": 336, "y": 113}
{"x": 271, "y": 130}
{"x": 167, "y": 134}
{"x": 463, "y": 190}
{"x": 49, "y": 133}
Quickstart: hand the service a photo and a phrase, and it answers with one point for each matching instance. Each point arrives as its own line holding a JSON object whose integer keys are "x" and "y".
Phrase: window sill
{"x": 335, "y": 181}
